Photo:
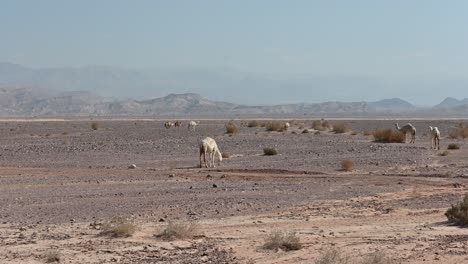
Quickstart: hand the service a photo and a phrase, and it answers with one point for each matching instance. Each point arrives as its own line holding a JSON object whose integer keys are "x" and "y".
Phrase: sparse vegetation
{"x": 354, "y": 133}
{"x": 178, "y": 230}
{"x": 231, "y": 128}
{"x": 458, "y": 214}
{"x": 270, "y": 151}
{"x": 332, "y": 256}
{"x": 340, "y": 128}
{"x": 377, "y": 257}
{"x": 460, "y": 132}
{"x": 347, "y": 165}
{"x": 305, "y": 131}
{"x": 286, "y": 241}
{"x": 118, "y": 227}
{"x": 94, "y": 125}
{"x": 321, "y": 125}
{"x": 445, "y": 153}
{"x": 453, "y": 146}
{"x": 255, "y": 123}
{"x": 225, "y": 155}
{"x": 52, "y": 256}
{"x": 276, "y": 126}
{"x": 367, "y": 133}
{"x": 388, "y": 136}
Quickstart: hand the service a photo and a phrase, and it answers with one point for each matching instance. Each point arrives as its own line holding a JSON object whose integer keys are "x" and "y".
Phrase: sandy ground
{"x": 60, "y": 180}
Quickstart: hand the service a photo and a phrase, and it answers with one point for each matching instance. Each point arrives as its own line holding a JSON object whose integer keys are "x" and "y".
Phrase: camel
{"x": 168, "y": 125}
{"x": 408, "y": 128}
{"x": 192, "y": 125}
{"x": 209, "y": 146}
{"x": 177, "y": 124}
{"x": 287, "y": 125}
{"x": 435, "y": 137}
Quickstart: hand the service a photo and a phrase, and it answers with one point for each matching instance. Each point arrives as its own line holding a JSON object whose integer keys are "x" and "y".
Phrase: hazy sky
{"x": 397, "y": 41}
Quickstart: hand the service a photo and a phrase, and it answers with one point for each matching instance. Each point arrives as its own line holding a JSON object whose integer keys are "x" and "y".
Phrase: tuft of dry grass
{"x": 445, "y": 153}
{"x": 276, "y": 126}
{"x": 225, "y": 155}
{"x": 322, "y": 125}
{"x": 305, "y": 131}
{"x": 286, "y": 241}
{"x": 354, "y": 133}
{"x": 94, "y": 125}
{"x": 340, "y": 128}
{"x": 270, "y": 151}
{"x": 388, "y": 136}
{"x": 231, "y": 128}
{"x": 453, "y": 146}
{"x": 460, "y": 132}
{"x": 458, "y": 214}
{"x": 332, "y": 256}
{"x": 347, "y": 165}
{"x": 255, "y": 123}
{"x": 118, "y": 227}
{"x": 52, "y": 256}
{"x": 377, "y": 257}
{"x": 178, "y": 230}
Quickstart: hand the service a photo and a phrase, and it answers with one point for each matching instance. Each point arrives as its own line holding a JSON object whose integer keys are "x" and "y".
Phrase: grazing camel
{"x": 209, "y": 146}
{"x": 435, "y": 137}
{"x": 408, "y": 128}
{"x": 192, "y": 125}
{"x": 287, "y": 125}
{"x": 177, "y": 124}
{"x": 168, "y": 125}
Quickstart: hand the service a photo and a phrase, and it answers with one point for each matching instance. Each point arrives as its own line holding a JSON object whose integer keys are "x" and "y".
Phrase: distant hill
{"x": 451, "y": 102}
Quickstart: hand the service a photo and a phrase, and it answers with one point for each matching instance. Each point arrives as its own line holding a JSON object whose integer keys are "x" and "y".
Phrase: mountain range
{"x": 72, "y": 92}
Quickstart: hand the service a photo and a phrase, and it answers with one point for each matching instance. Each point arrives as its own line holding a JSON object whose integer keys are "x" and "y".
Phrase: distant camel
{"x": 192, "y": 125}
{"x": 209, "y": 146}
{"x": 408, "y": 128}
{"x": 177, "y": 124}
{"x": 435, "y": 137}
{"x": 287, "y": 125}
{"x": 168, "y": 125}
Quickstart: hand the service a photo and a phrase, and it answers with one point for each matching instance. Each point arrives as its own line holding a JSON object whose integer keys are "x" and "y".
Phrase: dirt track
{"x": 59, "y": 177}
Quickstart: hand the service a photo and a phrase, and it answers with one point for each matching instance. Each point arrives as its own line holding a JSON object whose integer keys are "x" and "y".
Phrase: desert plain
{"x": 61, "y": 181}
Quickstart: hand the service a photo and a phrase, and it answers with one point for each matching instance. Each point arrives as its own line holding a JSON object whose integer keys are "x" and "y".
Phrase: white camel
{"x": 168, "y": 125}
{"x": 287, "y": 125}
{"x": 209, "y": 147}
{"x": 192, "y": 125}
{"x": 435, "y": 137}
{"x": 408, "y": 128}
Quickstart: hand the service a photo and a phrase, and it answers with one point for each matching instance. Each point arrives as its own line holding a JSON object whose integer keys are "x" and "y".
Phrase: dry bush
{"x": 52, "y": 256}
{"x": 225, "y": 155}
{"x": 321, "y": 125}
{"x": 231, "y": 128}
{"x": 354, "y": 133}
{"x": 445, "y": 153}
{"x": 270, "y": 151}
{"x": 460, "y": 132}
{"x": 178, "y": 230}
{"x": 305, "y": 131}
{"x": 341, "y": 128}
{"x": 332, "y": 256}
{"x": 255, "y": 123}
{"x": 388, "y": 136}
{"x": 118, "y": 227}
{"x": 347, "y": 165}
{"x": 317, "y": 133}
{"x": 276, "y": 126}
{"x": 376, "y": 258}
{"x": 453, "y": 146}
{"x": 458, "y": 214}
{"x": 286, "y": 241}
{"x": 94, "y": 125}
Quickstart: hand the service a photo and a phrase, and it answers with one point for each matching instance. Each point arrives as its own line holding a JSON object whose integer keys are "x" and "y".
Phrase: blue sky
{"x": 398, "y": 42}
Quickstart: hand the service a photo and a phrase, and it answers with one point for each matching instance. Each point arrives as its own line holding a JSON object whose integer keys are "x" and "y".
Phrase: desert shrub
{"x": 286, "y": 241}
{"x": 276, "y": 126}
{"x": 231, "y": 128}
{"x": 354, "y": 133}
{"x": 225, "y": 155}
{"x": 255, "y": 123}
{"x": 460, "y": 132}
{"x": 453, "y": 146}
{"x": 445, "y": 153}
{"x": 94, "y": 125}
{"x": 367, "y": 133}
{"x": 270, "y": 151}
{"x": 376, "y": 258}
{"x": 317, "y": 133}
{"x": 332, "y": 256}
{"x": 178, "y": 230}
{"x": 321, "y": 125}
{"x": 340, "y": 128}
{"x": 52, "y": 256}
{"x": 388, "y": 136}
{"x": 118, "y": 227}
{"x": 347, "y": 165}
{"x": 305, "y": 131}
{"x": 458, "y": 214}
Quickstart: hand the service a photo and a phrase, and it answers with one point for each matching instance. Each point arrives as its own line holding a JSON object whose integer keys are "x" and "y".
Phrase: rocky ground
{"x": 61, "y": 180}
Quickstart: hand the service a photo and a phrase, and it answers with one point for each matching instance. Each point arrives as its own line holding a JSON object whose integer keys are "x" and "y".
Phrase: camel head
{"x": 431, "y": 128}
{"x": 397, "y": 126}
{"x": 220, "y": 157}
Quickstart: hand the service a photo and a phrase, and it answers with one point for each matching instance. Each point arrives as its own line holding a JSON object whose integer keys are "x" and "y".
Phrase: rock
{"x": 133, "y": 166}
